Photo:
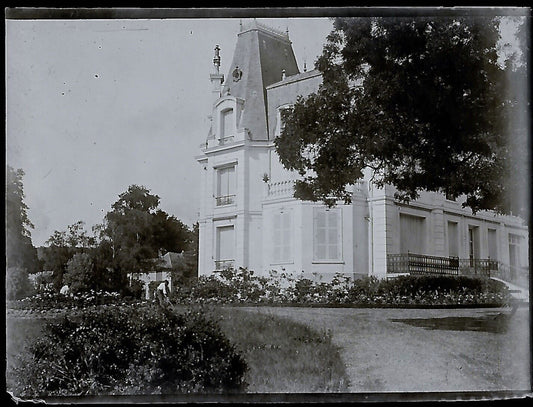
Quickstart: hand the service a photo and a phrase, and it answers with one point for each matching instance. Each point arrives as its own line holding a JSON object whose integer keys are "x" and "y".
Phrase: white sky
{"x": 94, "y": 106}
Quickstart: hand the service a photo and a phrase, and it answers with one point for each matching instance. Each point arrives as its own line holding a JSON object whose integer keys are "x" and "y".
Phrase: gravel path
{"x": 388, "y": 350}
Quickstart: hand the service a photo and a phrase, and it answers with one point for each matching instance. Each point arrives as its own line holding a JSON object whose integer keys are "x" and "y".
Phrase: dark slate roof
{"x": 261, "y": 55}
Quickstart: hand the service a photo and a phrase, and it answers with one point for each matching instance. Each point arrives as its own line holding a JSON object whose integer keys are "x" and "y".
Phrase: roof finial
{"x": 305, "y": 66}
{"x": 287, "y": 31}
{"x": 216, "y": 59}
{"x": 283, "y": 74}
{"x": 240, "y": 25}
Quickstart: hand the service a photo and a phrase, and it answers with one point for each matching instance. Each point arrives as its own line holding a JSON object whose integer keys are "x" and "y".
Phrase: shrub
{"x": 242, "y": 286}
{"x": 137, "y": 351}
{"x": 18, "y": 284}
{"x": 136, "y": 289}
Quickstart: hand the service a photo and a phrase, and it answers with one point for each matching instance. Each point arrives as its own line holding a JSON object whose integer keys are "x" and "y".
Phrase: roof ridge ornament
{"x": 216, "y": 59}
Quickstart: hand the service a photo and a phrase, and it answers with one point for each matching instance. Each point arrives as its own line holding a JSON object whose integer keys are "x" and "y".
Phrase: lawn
{"x": 420, "y": 350}
{"x": 282, "y": 355}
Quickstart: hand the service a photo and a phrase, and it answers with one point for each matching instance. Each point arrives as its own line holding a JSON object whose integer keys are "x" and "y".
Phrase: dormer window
{"x": 280, "y": 125}
{"x": 227, "y": 125}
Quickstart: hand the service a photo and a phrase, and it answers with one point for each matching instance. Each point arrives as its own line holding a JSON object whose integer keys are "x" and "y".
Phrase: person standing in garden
{"x": 162, "y": 292}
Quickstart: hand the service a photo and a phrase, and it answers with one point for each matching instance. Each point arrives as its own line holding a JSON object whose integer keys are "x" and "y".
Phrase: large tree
{"x": 136, "y": 232}
{"x": 422, "y": 102}
{"x": 19, "y": 248}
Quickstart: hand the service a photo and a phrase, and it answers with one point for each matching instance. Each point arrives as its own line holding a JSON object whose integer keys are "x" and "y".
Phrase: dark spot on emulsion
{"x": 96, "y": 76}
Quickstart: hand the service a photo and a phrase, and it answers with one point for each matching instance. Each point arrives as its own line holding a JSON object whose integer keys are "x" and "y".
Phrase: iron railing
{"x": 224, "y": 264}
{"x": 225, "y": 200}
{"x": 419, "y": 264}
{"x": 226, "y": 140}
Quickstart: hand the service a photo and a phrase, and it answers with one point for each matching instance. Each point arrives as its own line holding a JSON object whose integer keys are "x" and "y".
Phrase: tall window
{"x": 225, "y": 254}
{"x": 453, "y": 239}
{"x": 226, "y": 186}
{"x": 514, "y": 250}
{"x": 227, "y": 125}
{"x": 412, "y": 234}
{"x": 473, "y": 243}
{"x": 281, "y": 238}
{"x": 327, "y": 234}
{"x": 493, "y": 244}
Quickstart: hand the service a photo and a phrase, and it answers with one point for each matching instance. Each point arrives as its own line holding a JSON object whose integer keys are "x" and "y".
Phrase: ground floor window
{"x": 412, "y": 234}
{"x": 327, "y": 234}
{"x": 493, "y": 244}
{"x": 281, "y": 237}
{"x": 473, "y": 243}
{"x": 514, "y": 250}
{"x": 453, "y": 239}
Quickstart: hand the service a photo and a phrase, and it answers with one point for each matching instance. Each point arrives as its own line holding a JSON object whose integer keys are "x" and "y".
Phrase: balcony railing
{"x": 226, "y": 140}
{"x": 419, "y": 264}
{"x": 281, "y": 189}
{"x": 225, "y": 200}
{"x": 224, "y": 264}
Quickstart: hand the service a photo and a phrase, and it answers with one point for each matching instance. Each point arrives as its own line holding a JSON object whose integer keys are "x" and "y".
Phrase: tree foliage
{"x": 19, "y": 248}
{"x": 62, "y": 246}
{"x": 422, "y": 102}
{"x": 18, "y": 284}
{"x": 137, "y": 232}
{"x": 80, "y": 274}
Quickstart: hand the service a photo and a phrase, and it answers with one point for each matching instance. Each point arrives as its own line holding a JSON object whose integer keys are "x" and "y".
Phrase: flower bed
{"x": 242, "y": 287}
{"x": 50, "y": 300}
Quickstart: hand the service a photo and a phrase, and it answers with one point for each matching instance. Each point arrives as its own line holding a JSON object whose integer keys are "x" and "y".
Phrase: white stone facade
{"x": 249, "y": 218}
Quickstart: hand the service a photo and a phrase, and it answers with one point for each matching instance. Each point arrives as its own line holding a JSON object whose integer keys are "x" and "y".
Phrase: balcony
{"x": 224, "y": 264}
{"x": 280, "y": 189}
{"x": 226, "y": 140}
{"x": 225, "y": 200}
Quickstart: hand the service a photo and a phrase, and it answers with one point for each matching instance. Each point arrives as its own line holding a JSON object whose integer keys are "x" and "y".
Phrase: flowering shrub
{"x": 241, "y": 286}
{"x": 140, "y": 350}
{"x": 49, "y": 299}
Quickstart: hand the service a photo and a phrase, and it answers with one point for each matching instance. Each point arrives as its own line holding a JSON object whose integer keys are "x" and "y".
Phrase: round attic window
{"x": 237, "y": 74}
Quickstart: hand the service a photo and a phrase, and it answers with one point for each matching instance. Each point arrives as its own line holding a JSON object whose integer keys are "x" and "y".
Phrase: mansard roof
{"x": 260, "y": 57}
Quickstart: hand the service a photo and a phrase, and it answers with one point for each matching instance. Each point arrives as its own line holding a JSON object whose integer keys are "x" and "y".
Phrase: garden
{"x": 242, "y": 286}
{"x": 100, "y": 343}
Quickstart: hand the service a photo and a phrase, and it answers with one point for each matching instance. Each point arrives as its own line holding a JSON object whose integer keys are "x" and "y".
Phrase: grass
{"x": 283, "y": 356}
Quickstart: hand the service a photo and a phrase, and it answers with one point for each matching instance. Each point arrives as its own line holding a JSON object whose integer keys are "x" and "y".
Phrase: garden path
{"x": 420, "y": 350}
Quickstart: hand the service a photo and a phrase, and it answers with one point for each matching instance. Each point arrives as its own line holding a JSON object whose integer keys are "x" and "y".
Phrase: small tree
{"x": 80, "y": 273}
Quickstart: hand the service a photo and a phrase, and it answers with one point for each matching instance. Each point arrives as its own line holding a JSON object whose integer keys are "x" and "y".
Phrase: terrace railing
{"x": 281, "y": 189}
{"x": 411, "y": 263}
{"x": 419, "y": 264}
